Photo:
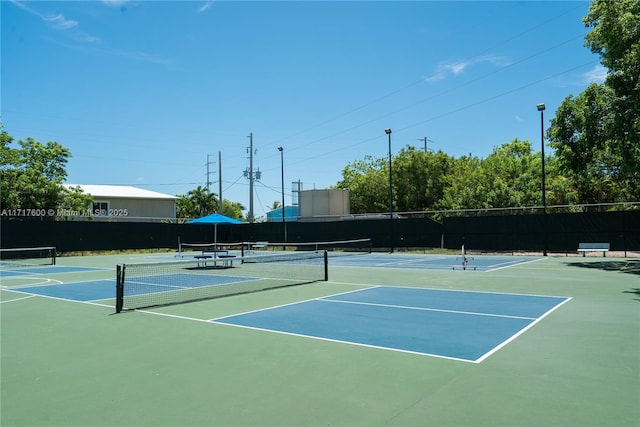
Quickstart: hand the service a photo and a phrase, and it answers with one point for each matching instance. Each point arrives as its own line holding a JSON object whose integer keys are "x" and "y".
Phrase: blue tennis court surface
{"x": 460, "y": 325}
{"x": 96, "y": 290}
{"x": 50, "y": 269}
{"x": 430, "y": 262}
{"x": 79, "y": 291}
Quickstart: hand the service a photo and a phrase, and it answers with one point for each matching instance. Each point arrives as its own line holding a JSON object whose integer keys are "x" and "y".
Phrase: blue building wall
{"x": 291, "y": 214}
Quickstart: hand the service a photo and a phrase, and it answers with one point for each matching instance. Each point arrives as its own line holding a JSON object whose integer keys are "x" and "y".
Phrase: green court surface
{"x": 69, "y": 363}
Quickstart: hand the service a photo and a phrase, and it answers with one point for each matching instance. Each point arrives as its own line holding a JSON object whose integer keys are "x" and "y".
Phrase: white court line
{"x": 412, "y": 261}
{"x": 440, "y": 310}
{"x": 522, "y": 331}
{"x": 368, "y": 285}
{"x": 17, "y": 299}
{"x": 44, "y": 282}
{"x": 490, "y": 268}
{"x": 31, "y": 295}
{"x": 344, "y": 342}
{"x": 288, "y": 304}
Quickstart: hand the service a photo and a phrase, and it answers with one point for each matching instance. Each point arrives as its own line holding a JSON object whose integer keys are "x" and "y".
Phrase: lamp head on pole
{"x": 540, "y": 107}
{"x": 280, "y": 149}
{"x": 387, "y": 131}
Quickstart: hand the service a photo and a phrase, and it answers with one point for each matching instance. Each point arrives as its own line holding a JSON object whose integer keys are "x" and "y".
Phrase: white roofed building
{"x": 126, "y": 203}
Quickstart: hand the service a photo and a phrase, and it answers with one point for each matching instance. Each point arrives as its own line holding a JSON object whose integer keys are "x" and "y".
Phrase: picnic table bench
{"x": 260, "y": 245}
{"x": 222, "y": 255}
{"x": 202, "y": 260}
{"x": 593, "y": 247}
{"x": 227, "y": 260}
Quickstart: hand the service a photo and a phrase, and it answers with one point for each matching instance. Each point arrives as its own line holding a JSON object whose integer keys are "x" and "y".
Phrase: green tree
{"x": 515, "y": 171}
{"x": 200, "y": 202}
{"x": 597, "y": 133}
{"x": 233, "y": 209}
{"x": 419, "y": 179}
{"x": 196, "y": 203}
{"x": 31, "y": 176}
{"x": 76, "y": 200}
{"x": 615, "y": 37}
{"x": 368, "y": 183}
{"x": 586, "y": 151}
{"x": 509, "y": 177}
{"x": 465, "y": 189}
{"x": 560, "y": 189}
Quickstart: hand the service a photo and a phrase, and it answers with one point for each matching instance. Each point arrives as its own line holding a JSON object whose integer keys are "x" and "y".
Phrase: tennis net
{"x": 27, "y": 257}
{"x": 334, "y": 247}
{"x": 158, "y": 284}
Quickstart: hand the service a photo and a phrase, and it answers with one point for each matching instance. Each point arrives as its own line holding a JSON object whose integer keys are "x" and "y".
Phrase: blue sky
{"x": 142, "y": 91}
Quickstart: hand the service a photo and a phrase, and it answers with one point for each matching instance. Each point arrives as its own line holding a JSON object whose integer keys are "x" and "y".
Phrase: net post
{"x": 326, "y": 266}
{"x": 119, "y": 287}
{"x": 53, "y": 255}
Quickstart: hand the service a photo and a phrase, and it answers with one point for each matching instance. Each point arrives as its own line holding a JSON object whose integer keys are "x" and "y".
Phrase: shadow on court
{"x": 634, "y": 291}
{"x": 630, "y": 267}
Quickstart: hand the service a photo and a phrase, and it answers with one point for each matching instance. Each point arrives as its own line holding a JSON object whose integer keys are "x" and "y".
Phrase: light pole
{"x": 388, "y": 132}
{"x": 281, "y": 150}
{"x": 541, "y": 108}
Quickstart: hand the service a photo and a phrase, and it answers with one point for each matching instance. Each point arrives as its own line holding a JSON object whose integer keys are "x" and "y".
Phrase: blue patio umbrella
{"x": 215, "y": 219}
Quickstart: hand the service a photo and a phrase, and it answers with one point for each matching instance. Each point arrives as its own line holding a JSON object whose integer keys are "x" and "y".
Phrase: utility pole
{"x": 251, "y": 177}
{"x": 209, "y": 173}
{"x": 220, "y": 181}
{"x": 425, "y": 143}
{"x": 249, "y": 173}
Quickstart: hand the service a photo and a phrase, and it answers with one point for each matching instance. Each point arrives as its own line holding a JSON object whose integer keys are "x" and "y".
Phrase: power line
{"x": 421, "y": 80}
{"x": 447, "y": 113}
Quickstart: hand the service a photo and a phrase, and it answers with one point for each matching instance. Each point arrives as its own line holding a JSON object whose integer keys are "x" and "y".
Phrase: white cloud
{"x": 91, "y": 39}
{"x": 597, "y": 75}
{"x": 205, "y": 6}
{"x": 82, "y": 41}
{"x": 458, "y": 67}
{"x": 57, "y": 21}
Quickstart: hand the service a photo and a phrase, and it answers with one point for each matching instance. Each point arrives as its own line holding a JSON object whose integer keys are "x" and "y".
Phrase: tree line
{"x": 509, "y": 176}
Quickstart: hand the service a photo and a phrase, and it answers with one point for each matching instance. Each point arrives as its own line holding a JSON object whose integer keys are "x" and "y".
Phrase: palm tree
{"x": 276, "y": 205}
{"x": 196, "y": 203}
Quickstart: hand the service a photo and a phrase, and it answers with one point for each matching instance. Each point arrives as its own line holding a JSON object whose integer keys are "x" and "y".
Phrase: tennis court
{"x": 465, "y": 326}
{"x": 389, "y": 339}
{"x": 433, "y": 262}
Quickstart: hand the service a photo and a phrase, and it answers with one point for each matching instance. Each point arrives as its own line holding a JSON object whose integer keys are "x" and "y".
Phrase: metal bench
{"x": 202, "y": 260}
{"x": 260, "y": 245}
{"x": 227, "y": 260}
{"x": 593, "y": 247}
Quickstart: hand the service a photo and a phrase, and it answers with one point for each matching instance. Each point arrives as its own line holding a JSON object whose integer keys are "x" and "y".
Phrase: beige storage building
{"x": 324, "y": 205}
{"x": 126, "y": 203}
